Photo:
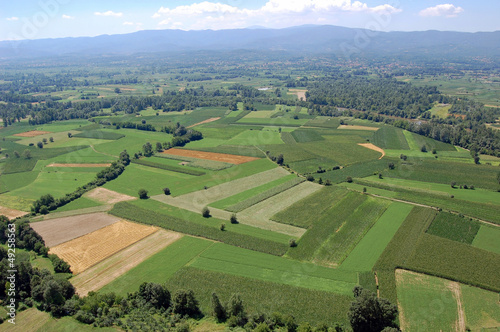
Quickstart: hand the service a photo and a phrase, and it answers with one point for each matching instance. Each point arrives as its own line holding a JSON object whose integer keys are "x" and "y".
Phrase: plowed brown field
{"x": 227, "y": 158}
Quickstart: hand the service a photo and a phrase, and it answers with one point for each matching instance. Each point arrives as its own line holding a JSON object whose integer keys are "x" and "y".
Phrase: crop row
{"x": 132, "y": 212}
{"x": 264, "y": 195}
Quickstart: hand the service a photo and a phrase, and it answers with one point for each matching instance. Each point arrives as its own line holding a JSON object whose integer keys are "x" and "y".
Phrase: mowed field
{"x": 429, "y": 303}
{"x": 227, "y": 158}
{"x": 88, "y": 250}
{"x": 118, "y": 264}
{"x": 60, "y": 230}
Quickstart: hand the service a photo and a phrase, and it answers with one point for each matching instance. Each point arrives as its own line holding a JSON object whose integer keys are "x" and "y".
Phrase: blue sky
{"x": 35, "y": 19}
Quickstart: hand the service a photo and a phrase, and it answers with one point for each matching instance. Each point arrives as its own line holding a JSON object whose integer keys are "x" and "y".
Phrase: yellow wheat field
{"x": 88, "y": 250}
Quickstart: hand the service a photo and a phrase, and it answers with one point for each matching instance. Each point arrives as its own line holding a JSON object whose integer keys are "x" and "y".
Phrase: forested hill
{"x": 309, "y": 39}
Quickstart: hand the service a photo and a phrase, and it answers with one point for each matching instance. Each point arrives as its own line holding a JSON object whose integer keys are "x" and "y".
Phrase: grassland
{"x": 251, "y": 264}
{"x": 389, "y": 137}
{"x": 487, "y": 239}
{"x": 172, "y": 168}
{"x": 159, "y": 267}
{"x": 481, "y": 309}
{"x": 366, "y": 253}
{"x": 427, "y": 303}
{"x": 263, "y": 296}
{"x": 136, "y": 177}
{"x": 306, "y": 135}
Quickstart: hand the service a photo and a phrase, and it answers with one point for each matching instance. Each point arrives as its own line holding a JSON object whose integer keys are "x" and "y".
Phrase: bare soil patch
{"x": 227, "y": 158}
{"x": 79, "y": 165}
{"x": 90, "y": 249}
{"x": 374, "y": 148}
{"x": 111, "y": 268}
{"x": 11, "y": 213}
{"x": 353, "y": 127}
{"x": 205, "y": 121}
{"x": 457, "y": 294}
{"x": 301, "y": 94}
{"x": 60, "y": 230}
{"x": 107, "y": 196}
{"x": 32, "y": 133}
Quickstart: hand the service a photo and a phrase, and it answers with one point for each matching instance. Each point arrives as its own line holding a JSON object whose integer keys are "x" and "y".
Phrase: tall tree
{"x": 369, "y": 313}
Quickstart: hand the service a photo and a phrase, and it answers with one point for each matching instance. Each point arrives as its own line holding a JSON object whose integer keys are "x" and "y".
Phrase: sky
{"x": 37, "y": 19}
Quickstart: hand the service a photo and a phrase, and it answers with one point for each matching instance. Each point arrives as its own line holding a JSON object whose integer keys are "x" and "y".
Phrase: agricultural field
{"x": 354, "y": 201}
{"x": 91, "y": 248}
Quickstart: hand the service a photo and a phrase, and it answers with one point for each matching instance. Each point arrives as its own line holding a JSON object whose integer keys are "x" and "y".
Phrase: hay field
{"x": 88, "y": 250}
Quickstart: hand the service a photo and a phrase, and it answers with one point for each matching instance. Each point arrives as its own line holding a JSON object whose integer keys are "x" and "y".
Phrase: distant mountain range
{"x": 302, "y": 39}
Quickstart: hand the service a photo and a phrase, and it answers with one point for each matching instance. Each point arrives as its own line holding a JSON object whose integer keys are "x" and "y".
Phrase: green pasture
{"x": 263, "y": 296}
{"x": 306, "y": 135}
{"x": 481, "y": 309}
{"x": 137, "y": 177}
{"x": 389, "y": 137}
{"x": 241, "y": 150}
{"x": 487, "y": 238}
{"x": 366, "y": 253}
{"x": 427, "y": 303}
{"x": 278, "y": 121}
{"x": 132, "y": 142}
{"x": 255, "y": 265}
{"x": 255, "y": 137}
{"x": 159, "y": 267}
{"x": 440, "y": 110}
{"x": 77, "y": 204}
{"x": 444, "y": 172}
{"x": 472, "y": 195}
{"x": 415, "y": 142}
{"x": 192, "y": 163}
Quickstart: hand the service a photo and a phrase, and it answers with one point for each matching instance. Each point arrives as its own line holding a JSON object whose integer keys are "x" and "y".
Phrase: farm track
{"x": 113, "y": 267}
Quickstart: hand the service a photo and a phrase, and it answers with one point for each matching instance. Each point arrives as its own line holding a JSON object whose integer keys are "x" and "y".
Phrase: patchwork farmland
{"x": 288, "y": 209}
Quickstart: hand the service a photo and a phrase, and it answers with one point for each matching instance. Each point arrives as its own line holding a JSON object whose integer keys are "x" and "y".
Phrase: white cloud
{"x": 108, "y": 13}
{"x": 13, "y": 18}
{"x": 128, "y": 23}
{"x": 67, "y": 17}
{"x": 274, "y": 13}
{"x": 447, "y": 10}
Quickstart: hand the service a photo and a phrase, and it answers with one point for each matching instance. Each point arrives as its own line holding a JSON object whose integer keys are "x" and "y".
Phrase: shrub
{"x": 222, "y": 227}
{"x": 292, "y": 243}
{"x": 143, "y": 194}
{"x": 310, "y": 178}
{"x": 166, "y": 191}
{"x": 233, "y": 219}
{"x": 205, "y": 212}
{"x": 423, "y": 148}
{"x": 349, "y": 179}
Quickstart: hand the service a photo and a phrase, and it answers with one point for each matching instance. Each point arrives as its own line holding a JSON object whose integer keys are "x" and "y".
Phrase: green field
{"x": 389, "y": 137}
{"x": 251, "y": 264}
{"x": 136, "y": 177}
{"x": 487, "y": 239}
{"x": 255, "y": 137}
{"x": 338, "y": 230}
{"x": 481, "y": 309}
{"x": 427, "y": 303}
{"x": 305, "y": 212}
{"x": 235, "y": 199}
{"x": 453, "y": 227}
{"x": 263, "y": 296}
{"x": 366, "y": 253}
{"x": 159, "y": 267}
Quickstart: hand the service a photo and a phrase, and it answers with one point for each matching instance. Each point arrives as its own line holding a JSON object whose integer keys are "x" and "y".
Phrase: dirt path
{"x": 457, "y": 294}
{"x": 355, "y": 127}
{"x": 106, "y": 154}
{"x": 403, "y": 324}
{"x": 203, "y": 122}
{"x": 374, "y": 148}
{"x": 376, "y": 283}
{"x": 113, "y": 267}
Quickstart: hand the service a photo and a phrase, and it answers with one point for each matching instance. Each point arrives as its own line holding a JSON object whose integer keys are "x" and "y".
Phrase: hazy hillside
{"x": 313, "y": 39}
